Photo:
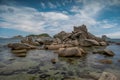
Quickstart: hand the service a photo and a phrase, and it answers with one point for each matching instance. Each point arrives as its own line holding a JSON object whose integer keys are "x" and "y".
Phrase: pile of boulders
{"x": 80, "y": 36}
{"x": 66, "y": 44}
{"x": 20, "y": 49}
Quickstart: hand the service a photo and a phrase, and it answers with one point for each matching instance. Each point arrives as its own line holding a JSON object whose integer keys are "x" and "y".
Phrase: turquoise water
{"x": 37, "y": 65}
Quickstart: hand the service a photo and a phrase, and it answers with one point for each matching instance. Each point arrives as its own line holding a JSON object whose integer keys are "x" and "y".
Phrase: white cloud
{"x": 113, "y": 35}
{"x": 31, "y": 20}
{"x": 108, "y": 26}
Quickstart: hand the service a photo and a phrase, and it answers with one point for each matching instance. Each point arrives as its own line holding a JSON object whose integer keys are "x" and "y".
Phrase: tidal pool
{"x": 37, "y": 65}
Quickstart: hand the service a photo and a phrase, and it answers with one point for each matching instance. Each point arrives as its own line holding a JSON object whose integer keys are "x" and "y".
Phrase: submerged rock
{"x": 106, "y": 61}
{"x": 53, "y": 61}
{"x": 108, "y": 52}
{"x": 118, "y": 60}
{"x": 105, "y": 52}
{"x": 107, "y": 76}
{"x": 71, "y": 52}
{"x": 21, "y": 55}
{"x": 118, "y": 43}
{"x": 19, "y": 51}
{"x": 43, "y": 76}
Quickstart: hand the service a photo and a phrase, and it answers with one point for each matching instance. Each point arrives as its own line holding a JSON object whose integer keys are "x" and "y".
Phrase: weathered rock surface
{"x": 53, "y": 47}
{"x": 30, "y": 41}
{"x": 89, "y": 42}
{"x": 105, "y": 52}
{"x": 44, "y": 40}
{"x": 107, "y": 76}
{"x": 103, "y": 43}
{"x": 108, "y": 52}
{"x": 19, "y": 46}
{"x": 71, "y": 52}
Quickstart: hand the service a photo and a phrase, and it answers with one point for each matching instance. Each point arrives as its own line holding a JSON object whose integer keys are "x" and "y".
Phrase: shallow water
{"x": 37, "y": 65}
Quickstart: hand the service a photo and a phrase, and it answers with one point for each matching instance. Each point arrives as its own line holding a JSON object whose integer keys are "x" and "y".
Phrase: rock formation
{"x": 80, "y": 36}
{"x": 62, "y": 42}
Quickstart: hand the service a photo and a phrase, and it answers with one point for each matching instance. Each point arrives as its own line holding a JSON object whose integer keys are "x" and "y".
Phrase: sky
{"x": 23, "y": 17}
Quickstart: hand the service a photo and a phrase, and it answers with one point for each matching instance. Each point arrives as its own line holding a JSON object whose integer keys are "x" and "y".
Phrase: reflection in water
{"x": 37, "y": 65}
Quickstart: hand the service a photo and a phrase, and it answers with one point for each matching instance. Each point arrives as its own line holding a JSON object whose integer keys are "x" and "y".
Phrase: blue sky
{"x": 23, "y": 17}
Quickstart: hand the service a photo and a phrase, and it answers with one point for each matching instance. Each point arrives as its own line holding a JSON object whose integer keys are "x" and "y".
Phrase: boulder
{"x": 118, "y": 60}
{"x": 34, "y": 43}
{"x": 53, "y": 61}
{"x": 19, "y": 46}
{"x": 106, "y": 61}
{"x": 70, "y": 52}
{"x": 60, "y": 35}
{"x": 57, "y": 40}
{"x": 75, "y": 43}
{"x": 89, "y": 42}
{"x": 107, "y": 76}
{"x": 105, "y": 52}
{"x": 44, "y": 40}
{"x": 102, "y": 43}
{"x": 72, "y": 42}
{"x": 21, "y": 55}
{"x": 118, "y": 43}
{"x": 108, "y": 52}
{"x": 19, "y": 51}
{"x": 53, "y": 47}
{"x": 67, "y": 45}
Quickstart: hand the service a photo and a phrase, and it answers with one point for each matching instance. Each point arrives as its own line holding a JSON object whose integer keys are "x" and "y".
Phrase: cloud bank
{"x": 32, "y": 20}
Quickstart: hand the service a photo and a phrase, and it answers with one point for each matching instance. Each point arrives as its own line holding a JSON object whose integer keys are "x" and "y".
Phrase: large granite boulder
{"x": 71, "y": 52}
{"x": 107, "y": 76}
{"x": 89, "y": 42}
{"x": 19, "y": 46}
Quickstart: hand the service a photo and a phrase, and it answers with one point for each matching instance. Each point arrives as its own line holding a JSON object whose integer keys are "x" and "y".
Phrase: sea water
{"x": 37, "y": 64}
